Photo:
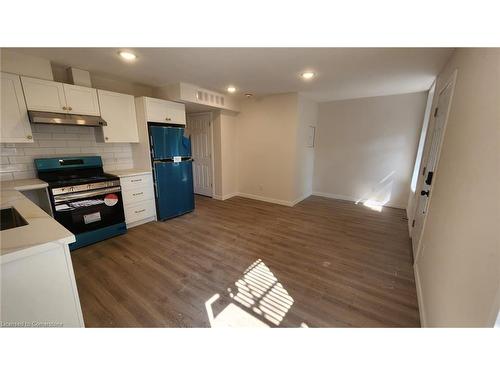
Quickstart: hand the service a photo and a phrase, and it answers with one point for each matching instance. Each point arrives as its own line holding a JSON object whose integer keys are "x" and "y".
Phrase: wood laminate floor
{"x": 322, "y": 263}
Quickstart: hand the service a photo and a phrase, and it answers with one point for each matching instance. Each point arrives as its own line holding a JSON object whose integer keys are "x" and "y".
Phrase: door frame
{"x": 211, "y": 126}
{"x": 451, "y": 81}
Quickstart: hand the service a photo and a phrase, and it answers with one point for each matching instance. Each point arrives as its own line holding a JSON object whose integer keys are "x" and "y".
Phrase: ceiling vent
{"x": 188, "y": 93}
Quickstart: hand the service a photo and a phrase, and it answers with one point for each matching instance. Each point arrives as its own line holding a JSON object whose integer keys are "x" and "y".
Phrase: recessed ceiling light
{"x": 129, "y": 56}
{"x": 231, "y": 89}
{"x": 248, "y": 95}
{"x": 308, "y": 75}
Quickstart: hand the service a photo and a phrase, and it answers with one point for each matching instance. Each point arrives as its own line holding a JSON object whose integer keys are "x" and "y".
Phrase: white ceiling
{"x": 342, "y": 73}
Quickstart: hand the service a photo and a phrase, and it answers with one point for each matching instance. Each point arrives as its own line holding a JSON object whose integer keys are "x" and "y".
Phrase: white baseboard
{"x": 230, "y": 195}
{"x": 350, "y": 199}
{"x": 224, "y": 197}
{"x": 263, "y": 199}
{"x": 420, "y": 298}
{"x": 267, "y": 199}
{"x": 306, "y": 195}
{"x": 334, "y": 196}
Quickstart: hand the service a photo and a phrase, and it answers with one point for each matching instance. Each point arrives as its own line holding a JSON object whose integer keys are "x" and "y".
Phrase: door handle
{"x": 425, "y": 192}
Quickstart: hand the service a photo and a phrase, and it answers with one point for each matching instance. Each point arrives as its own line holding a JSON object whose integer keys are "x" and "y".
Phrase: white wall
{"x": 225, "y": 173}
{"x": 105, "y": 83}
{"x": 229, "y": 155}
{"x": 267, "y": 148}
{"x": 365, "y": 149}
{"x": 30, "y": 66}
{"x": 458, "y": 268}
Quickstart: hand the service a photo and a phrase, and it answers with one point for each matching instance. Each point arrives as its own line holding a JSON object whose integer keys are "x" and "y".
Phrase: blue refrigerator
{"x": 172, "y": 170}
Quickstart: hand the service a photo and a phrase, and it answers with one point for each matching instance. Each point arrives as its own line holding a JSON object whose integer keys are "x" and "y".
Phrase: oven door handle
{"x": 93, "y": 193}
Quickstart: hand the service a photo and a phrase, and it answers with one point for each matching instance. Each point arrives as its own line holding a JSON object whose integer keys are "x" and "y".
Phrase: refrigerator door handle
{"x": 151, "y": 146}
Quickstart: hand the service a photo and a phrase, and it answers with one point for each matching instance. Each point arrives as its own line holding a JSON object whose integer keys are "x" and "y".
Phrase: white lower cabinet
{"x": 138, "y": 199}
{"x": 39, "y": 288}
{"x": 138, "y": 212}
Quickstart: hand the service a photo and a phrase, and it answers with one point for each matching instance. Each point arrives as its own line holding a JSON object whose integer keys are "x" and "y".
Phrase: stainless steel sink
{"x": 10, "y": 218}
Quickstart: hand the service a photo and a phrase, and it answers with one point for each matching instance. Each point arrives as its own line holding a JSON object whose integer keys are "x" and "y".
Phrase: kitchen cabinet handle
{"x": 29, "y": 137}
{"x": 106, "y": 138}
{"x": 65, "y": 108}
{"x": 69, "y": 108}
{"x": 168, "y": 119}
{"x": 134, "y": 194}
{"x": 138, "y": 212}
{"x": 138, "y": 180}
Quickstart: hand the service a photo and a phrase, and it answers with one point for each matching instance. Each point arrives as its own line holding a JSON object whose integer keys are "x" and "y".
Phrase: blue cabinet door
{"x": 168, "y": 142}
{"x": 174, "y": 188}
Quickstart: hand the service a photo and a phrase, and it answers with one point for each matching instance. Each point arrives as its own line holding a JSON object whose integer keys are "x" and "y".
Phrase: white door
{"x": 81, "y": 100}
{"x": 199, "y": 128}
{"x": 14, "y": 123}
{"x": 42, "y": 95}
{"x": 165, "y": 111}
{"x": 428, "y": 171}
{"x": 118, "y": 110}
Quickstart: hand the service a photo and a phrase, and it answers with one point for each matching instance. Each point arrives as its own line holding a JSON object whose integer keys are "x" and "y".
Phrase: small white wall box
{"x": 311, "y": 135}
{"x": 79, "y": 77}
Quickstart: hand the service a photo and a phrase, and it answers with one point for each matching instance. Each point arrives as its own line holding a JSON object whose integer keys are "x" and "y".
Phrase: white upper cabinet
{"x": 118, "y": 110}
{"x": 159, "y": 110}
{"x": 81, "y": 100}
{"x": 14, "y": 123}
{"x": 50, "y": 96}
{"x": 42, "y": 95}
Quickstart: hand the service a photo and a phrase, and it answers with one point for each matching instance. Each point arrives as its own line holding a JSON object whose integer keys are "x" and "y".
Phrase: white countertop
{"x": 23, "y": 185}
{"x": 41, "y": 229}
{"x": 129, "y": 172}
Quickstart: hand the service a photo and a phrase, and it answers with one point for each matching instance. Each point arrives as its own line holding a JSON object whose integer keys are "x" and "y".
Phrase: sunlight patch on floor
{"x": 374, "y": 205}
{"x": 261, "y": 293}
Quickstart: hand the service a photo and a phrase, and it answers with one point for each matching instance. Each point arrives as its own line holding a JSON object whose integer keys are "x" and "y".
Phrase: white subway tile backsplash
{"x": 23, "y": 175}
{"x": 26, "y": 145}
{"x": 45, "y": 129}
{"x": 19, "y": 159}
{"x": 10, "y": 151}
{"x": 6, "y": 176}
{"x": 37, "y": 136}
{"x": 79, "y": 130}
{"x": 39, "y": 151}
{"x": 80, "y": 143}
{"x": 67, "y": 151}
{"x": 16, "y": 167}
{"x": 51, "y": 141}
{"x": 90, "y": 150}
{"x": 121, "y": 154}
{"x": 70, "y": 136}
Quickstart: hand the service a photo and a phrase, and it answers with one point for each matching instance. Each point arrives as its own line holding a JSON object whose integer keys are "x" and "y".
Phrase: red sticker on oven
{"x": 111, "y": 199}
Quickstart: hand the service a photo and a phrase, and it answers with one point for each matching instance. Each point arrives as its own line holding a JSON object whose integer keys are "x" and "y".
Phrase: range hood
{"x": 51, "y": 118}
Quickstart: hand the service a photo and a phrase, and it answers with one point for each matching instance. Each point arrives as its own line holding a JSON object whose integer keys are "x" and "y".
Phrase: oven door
{"x": 89, "y": 210}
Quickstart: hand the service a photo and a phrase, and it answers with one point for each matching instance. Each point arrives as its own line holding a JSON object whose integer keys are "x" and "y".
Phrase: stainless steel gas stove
{"x": 85, "y": 199}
